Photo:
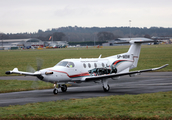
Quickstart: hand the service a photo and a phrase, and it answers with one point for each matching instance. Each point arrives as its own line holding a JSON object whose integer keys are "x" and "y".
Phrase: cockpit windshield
{"x": 65, "y": 64}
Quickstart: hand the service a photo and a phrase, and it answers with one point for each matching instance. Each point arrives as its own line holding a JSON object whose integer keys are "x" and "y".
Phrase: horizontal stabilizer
{"x": 16, "y": 71}
{"x": 134, "y": 41}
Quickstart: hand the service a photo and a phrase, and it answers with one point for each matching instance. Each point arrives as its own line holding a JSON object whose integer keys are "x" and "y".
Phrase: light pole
{"x": 94, "y": 38}
{"x": 2, "y": 38}
{"x": 2, "y": 41}
{"x": 130, "y": 28}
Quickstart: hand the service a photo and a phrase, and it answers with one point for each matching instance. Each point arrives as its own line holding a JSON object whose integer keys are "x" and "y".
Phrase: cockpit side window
{"x": 65, "y": 64}
{"x": 62, "y": 63}
{"x": 70, "y": 65}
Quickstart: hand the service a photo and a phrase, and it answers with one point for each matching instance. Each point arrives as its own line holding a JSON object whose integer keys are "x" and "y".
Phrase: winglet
{"x": 160, "y": 67}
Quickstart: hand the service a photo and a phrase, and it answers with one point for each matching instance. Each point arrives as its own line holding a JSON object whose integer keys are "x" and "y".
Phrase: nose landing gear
{"x": 63, "y": 88}
{"x": 55, "y": 91}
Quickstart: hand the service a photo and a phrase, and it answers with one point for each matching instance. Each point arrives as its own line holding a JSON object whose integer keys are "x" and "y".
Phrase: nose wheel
{"x": 55, "y": 91}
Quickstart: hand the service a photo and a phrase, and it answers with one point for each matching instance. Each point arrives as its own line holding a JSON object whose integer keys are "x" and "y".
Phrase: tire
{"x": 55, "y": 91}
{"x": 106, "y": 90}
{"x": 64, "y": 88}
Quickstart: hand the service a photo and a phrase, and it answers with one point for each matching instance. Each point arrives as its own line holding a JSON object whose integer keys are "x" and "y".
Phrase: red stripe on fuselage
{"x": 72, "y": 76}
{"x": 118, "y": 61}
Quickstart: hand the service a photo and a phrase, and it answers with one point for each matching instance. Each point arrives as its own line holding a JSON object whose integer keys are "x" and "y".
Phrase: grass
{"x": 143, "y": 106}
{"x": 151, "y": 56}
{"x": 22, "y": 85}
{"x": 156, "y": 55}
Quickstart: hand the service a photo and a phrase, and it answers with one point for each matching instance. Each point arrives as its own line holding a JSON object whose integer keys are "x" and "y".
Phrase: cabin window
{"x": 89, "y": 65}
{"x": 84, "y": 65}
{"x": 103, "y": 65}
{"x": 95, "y": 65}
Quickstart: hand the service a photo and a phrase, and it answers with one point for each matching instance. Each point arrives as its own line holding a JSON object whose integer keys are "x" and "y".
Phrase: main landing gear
{"x": 106, "y": 89}
{"x": 63, "y": 88}
{"x": 105, "y": 85}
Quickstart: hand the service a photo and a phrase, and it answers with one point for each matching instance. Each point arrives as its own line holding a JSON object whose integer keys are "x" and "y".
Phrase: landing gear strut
{"x": 55, "y": 91}
{"x": 106, "y": 89}
{"x": 105, "y": 85}
{"x": 63, "y": 88}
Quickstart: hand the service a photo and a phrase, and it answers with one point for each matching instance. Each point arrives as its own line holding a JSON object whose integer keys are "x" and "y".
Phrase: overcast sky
{"x": 19, "y": 16}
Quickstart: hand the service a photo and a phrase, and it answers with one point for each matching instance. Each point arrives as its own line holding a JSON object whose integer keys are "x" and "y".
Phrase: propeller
{"x": 39, "y": 63}
{"x": 29, "y": 68}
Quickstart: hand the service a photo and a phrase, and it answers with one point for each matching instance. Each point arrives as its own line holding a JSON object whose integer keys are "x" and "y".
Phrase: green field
{"x": 23, "y": 85}
{"x": 143, "y": 106}
{"x": 151, "y": 56}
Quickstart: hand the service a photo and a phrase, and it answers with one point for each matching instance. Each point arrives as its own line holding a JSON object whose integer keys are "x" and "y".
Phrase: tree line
{"x": 83, "y": 34}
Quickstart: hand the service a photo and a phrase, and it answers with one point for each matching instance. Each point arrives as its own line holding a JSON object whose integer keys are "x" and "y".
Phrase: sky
{"x": 20, "y": 16}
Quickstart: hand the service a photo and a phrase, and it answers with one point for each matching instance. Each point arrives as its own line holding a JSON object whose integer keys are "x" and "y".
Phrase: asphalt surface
{"x": 145, "y": 83}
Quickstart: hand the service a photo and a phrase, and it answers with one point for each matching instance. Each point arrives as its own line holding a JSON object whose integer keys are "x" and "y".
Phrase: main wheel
{"x": 55, "y": 91}
{"x": 106, "y": 89}
{"x": 64, "y": 88}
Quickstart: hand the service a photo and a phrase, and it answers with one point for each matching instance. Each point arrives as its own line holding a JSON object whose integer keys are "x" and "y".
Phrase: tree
{"x": 58, "y": 36}
{"x": 102, "y": 36}
{"x": 147, "y": 36}
{"x": 40, "y": 31}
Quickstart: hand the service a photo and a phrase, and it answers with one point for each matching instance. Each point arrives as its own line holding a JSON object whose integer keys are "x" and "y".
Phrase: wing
{"x": 15, "y": 70}
{"x": 93, "y": 78}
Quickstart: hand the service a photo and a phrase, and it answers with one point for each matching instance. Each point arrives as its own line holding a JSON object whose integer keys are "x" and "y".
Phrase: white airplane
{"x": 91, "y": 70}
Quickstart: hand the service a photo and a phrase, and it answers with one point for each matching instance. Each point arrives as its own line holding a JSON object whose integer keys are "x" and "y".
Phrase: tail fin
{"x": 134, "y": 50}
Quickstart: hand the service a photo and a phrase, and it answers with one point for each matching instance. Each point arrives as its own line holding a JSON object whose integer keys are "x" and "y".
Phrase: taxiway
{"x": 145, "y": 83}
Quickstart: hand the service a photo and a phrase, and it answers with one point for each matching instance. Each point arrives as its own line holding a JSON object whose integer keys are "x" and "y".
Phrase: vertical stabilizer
{"x": 134, "y": 51}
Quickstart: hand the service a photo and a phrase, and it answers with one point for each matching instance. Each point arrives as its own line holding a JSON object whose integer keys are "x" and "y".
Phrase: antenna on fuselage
{"x": 100, "y": 56}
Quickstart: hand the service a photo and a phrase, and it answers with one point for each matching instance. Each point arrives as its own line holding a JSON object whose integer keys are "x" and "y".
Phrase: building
{"x": 21, "y": 43}
{"x": 33, "y": 42}
{"x": 57, "y": 44}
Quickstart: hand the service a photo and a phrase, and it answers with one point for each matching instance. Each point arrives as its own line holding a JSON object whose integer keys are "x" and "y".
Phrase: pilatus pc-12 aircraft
{"x": 91, "y": 69}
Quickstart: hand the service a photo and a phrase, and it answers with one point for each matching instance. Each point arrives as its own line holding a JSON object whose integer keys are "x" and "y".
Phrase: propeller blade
{"x": 30, "y": 69}
{"x": 39, "y": 63}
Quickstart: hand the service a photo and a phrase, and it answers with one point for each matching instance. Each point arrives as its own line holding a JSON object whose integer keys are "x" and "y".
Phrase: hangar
{"x": 22, "y": 43}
